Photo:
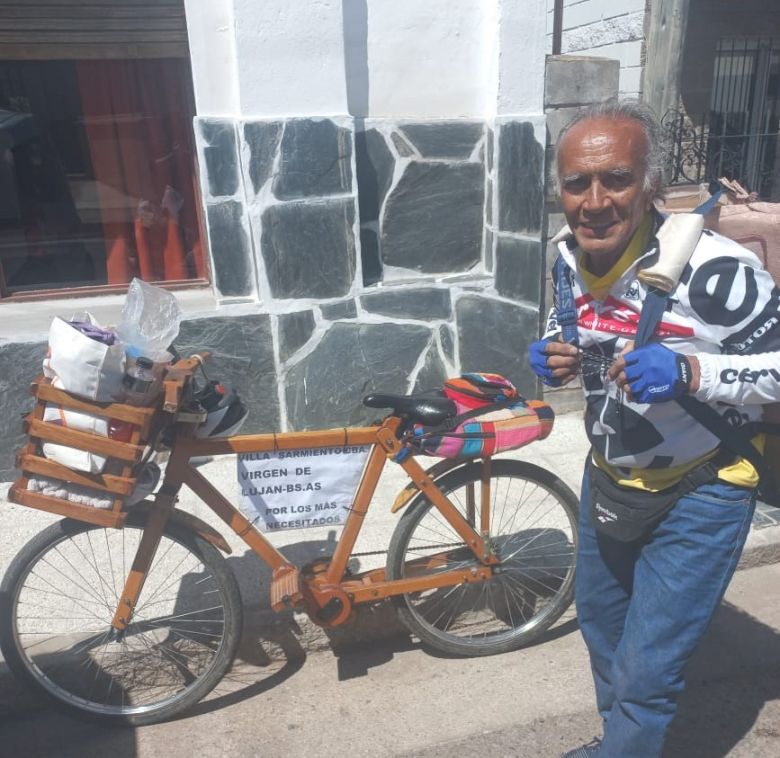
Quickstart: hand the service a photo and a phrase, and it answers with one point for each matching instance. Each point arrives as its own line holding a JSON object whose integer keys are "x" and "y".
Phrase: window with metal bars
{"x": 744, "y": 124}
{"x": 739, "y": 137}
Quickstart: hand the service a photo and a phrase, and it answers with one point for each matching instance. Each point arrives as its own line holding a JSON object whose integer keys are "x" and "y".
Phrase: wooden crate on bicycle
{"x": 119, "y": 454}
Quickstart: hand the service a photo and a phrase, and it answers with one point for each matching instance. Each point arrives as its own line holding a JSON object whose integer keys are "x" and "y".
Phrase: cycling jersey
{"x": 725, "y": 310}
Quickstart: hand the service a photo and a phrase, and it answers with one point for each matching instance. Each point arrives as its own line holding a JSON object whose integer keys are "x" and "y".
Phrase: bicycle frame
{"x": 325, "y": 594}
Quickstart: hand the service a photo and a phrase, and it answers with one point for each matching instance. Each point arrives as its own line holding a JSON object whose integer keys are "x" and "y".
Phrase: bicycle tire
{"x": 59, "y": 595}
{"x": 510, "y": 610}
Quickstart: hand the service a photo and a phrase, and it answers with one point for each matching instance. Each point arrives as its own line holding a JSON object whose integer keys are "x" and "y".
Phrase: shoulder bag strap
{"x": 732, "y": 438}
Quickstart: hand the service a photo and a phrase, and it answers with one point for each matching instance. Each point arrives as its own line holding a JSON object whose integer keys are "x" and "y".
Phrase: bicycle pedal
{"x": 286, "y": 589}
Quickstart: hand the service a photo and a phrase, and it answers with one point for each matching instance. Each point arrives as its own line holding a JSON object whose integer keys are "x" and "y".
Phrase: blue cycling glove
{"x": 657, "y": 374}
{"x": 537, "y": 359}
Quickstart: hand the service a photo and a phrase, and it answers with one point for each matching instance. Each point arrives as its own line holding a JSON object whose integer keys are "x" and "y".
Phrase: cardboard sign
{"x": 299, "y": 489}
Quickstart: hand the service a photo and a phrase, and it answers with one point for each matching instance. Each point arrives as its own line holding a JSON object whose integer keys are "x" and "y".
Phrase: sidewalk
{"x": 563, "y": 453}
{"x": 393, "y": 699}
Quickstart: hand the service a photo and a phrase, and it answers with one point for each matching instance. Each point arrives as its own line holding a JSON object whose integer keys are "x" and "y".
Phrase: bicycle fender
{"x": 411, "y": 489}
{"x": 194, "y": 524}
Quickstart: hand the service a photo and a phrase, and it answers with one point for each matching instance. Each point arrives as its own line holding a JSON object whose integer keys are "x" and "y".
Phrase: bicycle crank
{"x": 327, "y": 604}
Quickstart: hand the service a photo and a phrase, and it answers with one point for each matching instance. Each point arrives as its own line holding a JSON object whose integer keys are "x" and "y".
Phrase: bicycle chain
{"x": 424, "y": 547}
{"x": 371, "y": 552}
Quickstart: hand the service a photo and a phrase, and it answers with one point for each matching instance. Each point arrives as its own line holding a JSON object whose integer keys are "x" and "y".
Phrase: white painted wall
{"x": 608, "y": 29}
{"x": 521, "y": 51}
{"x": 436, "y": 59}
{"x": 429, "y": 59}
{"x": 213, "y": 54}
{"x": 290, "y": 57}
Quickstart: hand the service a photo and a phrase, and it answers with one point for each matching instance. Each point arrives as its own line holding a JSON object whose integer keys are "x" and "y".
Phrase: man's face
{"x": 601, "y": 171}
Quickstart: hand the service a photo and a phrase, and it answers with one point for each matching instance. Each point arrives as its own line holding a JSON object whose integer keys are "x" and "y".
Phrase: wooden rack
{"x": 122, "y": 458}
{"x": 118, "y": 478}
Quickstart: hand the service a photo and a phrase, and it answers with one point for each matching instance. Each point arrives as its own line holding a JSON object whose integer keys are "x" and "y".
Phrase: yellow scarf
{"x": 599, "y": 286}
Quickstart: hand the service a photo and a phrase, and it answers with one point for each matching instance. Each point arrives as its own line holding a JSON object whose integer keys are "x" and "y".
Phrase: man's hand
{"x": 654, "y": 374}
{"x": 555, "y": 363}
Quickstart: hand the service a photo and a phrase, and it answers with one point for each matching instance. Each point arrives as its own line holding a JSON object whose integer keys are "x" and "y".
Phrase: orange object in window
{"x": 137, "y": 123}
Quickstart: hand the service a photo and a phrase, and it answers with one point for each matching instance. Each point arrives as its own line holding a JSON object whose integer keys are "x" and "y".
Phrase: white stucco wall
{"x": 290, "y": 57}
{"x": 368, "y": 58}
{"x": 521, "y": 56}
{"x": 213, "y": 53}
{"x": 607, "y": 29}
{"x": 429, "y": 59}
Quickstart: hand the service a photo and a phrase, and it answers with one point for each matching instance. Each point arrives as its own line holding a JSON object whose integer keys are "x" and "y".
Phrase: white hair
{"x": 654, "y": 159}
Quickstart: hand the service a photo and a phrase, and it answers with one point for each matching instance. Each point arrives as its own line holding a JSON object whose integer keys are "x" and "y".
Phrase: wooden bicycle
{"x": 132, "y": 615}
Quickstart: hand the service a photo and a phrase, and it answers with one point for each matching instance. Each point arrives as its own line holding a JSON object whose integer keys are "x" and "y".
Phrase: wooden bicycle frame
{"x": 326, "y": 594}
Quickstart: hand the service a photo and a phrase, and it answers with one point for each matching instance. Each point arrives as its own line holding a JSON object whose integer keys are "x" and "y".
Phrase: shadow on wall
{"x": 354, "y": 19}
{"x": 355, "y": 25}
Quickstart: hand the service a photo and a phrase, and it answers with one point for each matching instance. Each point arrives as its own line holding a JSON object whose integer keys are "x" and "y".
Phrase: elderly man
{"x": 645, "y": 598}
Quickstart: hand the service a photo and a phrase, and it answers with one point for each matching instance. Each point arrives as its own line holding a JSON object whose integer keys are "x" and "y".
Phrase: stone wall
{"x": 387, "y": 254}
{"x": 606, "y": 29}
{"x": 351, "y": 256}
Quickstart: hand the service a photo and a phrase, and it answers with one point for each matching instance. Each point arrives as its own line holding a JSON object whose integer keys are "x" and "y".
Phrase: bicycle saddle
{"x": 427, "y": 410}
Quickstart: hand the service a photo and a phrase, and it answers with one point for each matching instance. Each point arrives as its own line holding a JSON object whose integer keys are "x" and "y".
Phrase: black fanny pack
{"x": 627, "y": 514}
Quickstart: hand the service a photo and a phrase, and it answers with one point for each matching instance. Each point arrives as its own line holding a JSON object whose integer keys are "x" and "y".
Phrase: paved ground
{"x": 395, "y": 699}
{"x": 373, "y": 691}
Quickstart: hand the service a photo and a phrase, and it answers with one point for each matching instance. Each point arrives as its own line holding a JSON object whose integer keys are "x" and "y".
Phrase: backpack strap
{"x": 566, "y": 309}
{"x": 708, "y": 205}
{"x": 653, "y": 309}
{"x": 676, "y": 238}
{"x": 736, "y": 440}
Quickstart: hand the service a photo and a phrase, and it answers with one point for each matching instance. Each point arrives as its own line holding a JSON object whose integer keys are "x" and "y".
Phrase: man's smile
{"x": 597, "y": 230}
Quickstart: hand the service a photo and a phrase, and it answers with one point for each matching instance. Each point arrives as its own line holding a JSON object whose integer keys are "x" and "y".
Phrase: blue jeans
{"x": 643, "y": 607}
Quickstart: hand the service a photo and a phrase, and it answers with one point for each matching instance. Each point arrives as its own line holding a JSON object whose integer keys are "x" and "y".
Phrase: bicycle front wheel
{"x": 533, "y": 532}
{"x": 60, "y": 594}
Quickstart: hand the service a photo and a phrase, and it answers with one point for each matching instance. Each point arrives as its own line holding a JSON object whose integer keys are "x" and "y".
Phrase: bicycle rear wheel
{"x": 59, "y": 596}
{"x": 533, "y": 531}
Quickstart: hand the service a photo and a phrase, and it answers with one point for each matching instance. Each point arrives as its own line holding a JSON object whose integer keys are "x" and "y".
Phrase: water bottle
{"x": 138, "y": 379}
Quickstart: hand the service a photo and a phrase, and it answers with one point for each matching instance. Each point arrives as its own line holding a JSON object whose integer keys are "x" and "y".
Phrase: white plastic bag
{"x": 81, "y": 460}
{"x": 84, "y": 366}
{"x": 150, "y": 321}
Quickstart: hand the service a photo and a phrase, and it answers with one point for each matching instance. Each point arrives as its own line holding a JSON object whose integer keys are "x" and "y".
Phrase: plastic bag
{"x": 81, "y": 460}
{"x": 85, "y": 366}
{"x": 150, "y": 320}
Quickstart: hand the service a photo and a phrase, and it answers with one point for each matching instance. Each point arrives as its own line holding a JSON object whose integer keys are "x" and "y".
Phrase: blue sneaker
{"x": 585, "y": 751}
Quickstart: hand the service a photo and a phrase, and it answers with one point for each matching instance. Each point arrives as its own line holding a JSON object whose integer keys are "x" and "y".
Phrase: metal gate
{"x": 740, "y": 135}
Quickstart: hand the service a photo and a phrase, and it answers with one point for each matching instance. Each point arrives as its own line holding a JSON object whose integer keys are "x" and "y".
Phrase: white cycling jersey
{"x": 725, "y": 310}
